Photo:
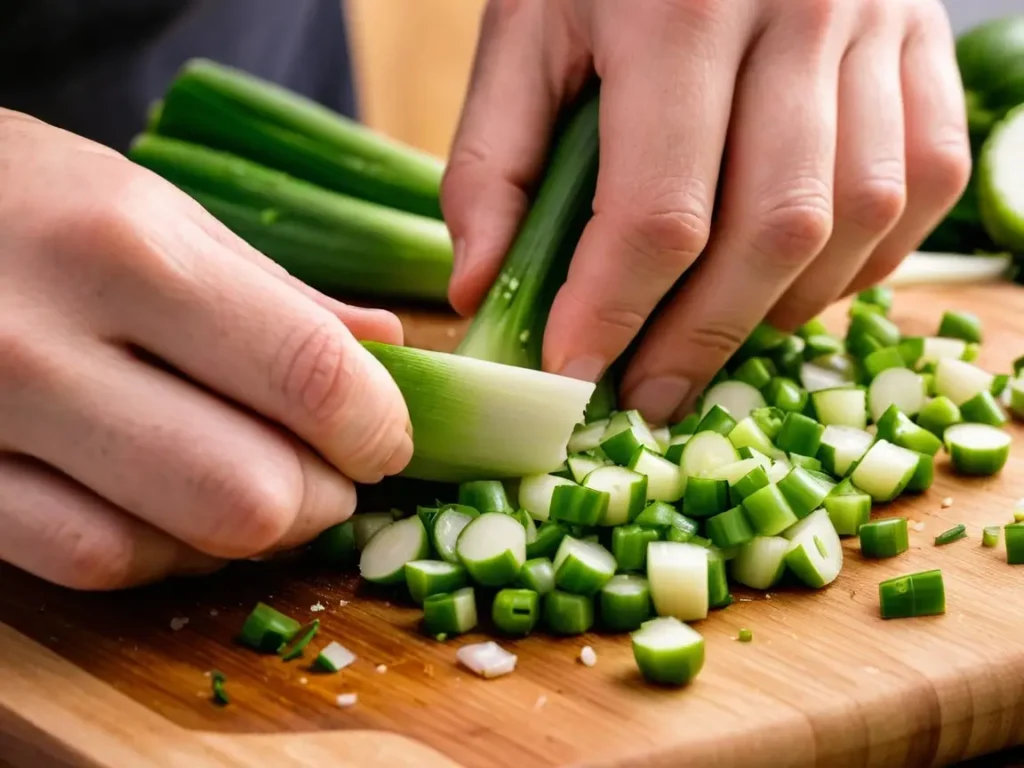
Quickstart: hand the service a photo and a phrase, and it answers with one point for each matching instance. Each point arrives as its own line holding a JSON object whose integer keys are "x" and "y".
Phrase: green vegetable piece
{"x": 568, "y": 614}
{"x": 745, "y": 635}
{"x": 800, "y": 434}
{"x": 960, "y": 325}
{"x": 537, "y": 574}
{"x": 515, "y": 611}
{"x": 729, "y": 529}
{"x": 549, "y": 536}
{"x": 990, "y": 536}
{"x": 220, "y": 695}
{"x": 884, "y": 538}
{"x": 955, "y": 533}
{"x": 300, "y": 645}
{"x": 756, "y": 371}
{"x": 717, "y": 419}
{"x": 916, "y": 594}
{"x": 335, "y": 547}
{"x": 1014, "y": 533}
{"x": 768, "y": 511}
{"x": 625, "y": 602}
{"x": 983, "y": 409}
{"x": 668, "y": 652}
{"x": 485, "y": 496}
{"x": 629, "y": 546}
{"x": 878, "y": 295}
{"x": 939, "y": 414}
{"x": 705, "y": 496}
{"x": 450, "y": 614}
{"x": 786, "y": 395}
{"x": 268, "y": 630}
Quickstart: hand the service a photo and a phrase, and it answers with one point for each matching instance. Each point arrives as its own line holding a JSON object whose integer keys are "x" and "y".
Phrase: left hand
{"x": 840, "y": 122}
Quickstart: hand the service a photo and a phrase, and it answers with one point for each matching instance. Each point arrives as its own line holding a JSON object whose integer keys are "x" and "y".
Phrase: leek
{"x": 335, "y": 243}
{"x": 476, "y": 420}
{"x": 227, "y": 109}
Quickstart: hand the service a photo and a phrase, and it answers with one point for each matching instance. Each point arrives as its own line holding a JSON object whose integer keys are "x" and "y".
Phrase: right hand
{"x": 169, "y": 398}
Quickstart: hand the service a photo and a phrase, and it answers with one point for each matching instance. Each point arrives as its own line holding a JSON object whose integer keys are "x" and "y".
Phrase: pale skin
{"x": 171, "y": 400}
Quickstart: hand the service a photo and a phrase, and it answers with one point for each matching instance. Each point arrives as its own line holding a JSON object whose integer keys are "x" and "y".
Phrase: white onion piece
{"x": 486, "y": 659}
{"x": 338, "y": 655}
{"x": 948, "y": 269}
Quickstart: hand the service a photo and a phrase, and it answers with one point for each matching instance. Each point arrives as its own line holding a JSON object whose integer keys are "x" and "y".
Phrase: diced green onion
{"x": 667, "y": 651}
{"x": 939, "y": 414}
{"x": 290, "y": 654}
{"x": 769, "y": 419}
{"x": 334, "y": 657}
{"x": 768, "y": 511}
{"x": 786, "y": 395}
{"x": 515, "y": 611}
{"x": 761, "y": 563}
{"x": 916, "y": 594}
{"x": 879, "y": 295}
{"x": 828, "y": 372}
{"x": 581, "y": 465}
{"x": 756, "y": 371}
{"x": 576, "y": 505}
{"x": 450, "y": 614}
{"x": 729, "y": 529}
{"x": 809, "y": 463}
{"x": 626, "y": 489}
{"x": 737, "y": 398}
{"x": 705, "y": 497}
{"x": 537, "y": 574}
{"x": 911, "y": 349}
{"x": 885, "y": 470}
{"x": 430, "y": 577}
{"x": 882, "y": 360}
{"x": 799, "y": 434}
{"x": 822, "y": 344}
{"x": 870, "y": 327}
{"x": 747, "y": 435}
{"x": 803, "y": 492}
{"x": 960, "y": 381}
{"x": 789, "y": 356}
{"x": 383, "y": 559}
{"x": 220, "y": 695}
{"x": 887, "y": 537}
{"x": 745, "y": 635}
{"x": 977, "y": 449}
{"x": 485, "y": 496}
{"x": 812, "y": 327}
{"x": 848, "y": 512}
{"x": 536, "y": 493}
{"x": 1014, "y": 543}
{"x": 268, "y": 630}
{"x": 718, "y": 582}
{"x": 955, "y": 533}
{"x": 842, "y": 447}
{"x": 626, "y": 432}
{"x": 754, "y": 480}
{"x": 1017, "y": 398}
{"x": 983, "y": 409}
{"x": 895, "y": 386}
{"x": 657, "y": 515}
{"x": 707, "y": 451}
{"x": 587, "y": 437}
{"x": 568, "y": 614}
{"x": 960, "y": 325}
{"x": 625, "y": 602}
{"x": 366, "y": 525}
{"x": 990, "y": 536}
{"x": 335, "y": 547}
{"x": 999, "y": 384}
{"x": 493, "y": 549}
{"x": 898, "y": 429}
{"x": 629, "y": 545}
{"x": 685, "y": 427}
{"x": 665, "y": 480}
{"x": 427, "y": 516}
{"x": 815, "y": 554}
{"x": 924, "y": 474}
{"x": 841, "y": 406}
{"x": 678, "y": 577}
{"x": 717, "y": 419}
{"x": 582, "y": 567}
{"x": 448, "y": 526}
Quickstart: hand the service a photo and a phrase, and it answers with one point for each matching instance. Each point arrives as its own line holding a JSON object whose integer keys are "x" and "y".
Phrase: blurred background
{"x": 413, "y": 59}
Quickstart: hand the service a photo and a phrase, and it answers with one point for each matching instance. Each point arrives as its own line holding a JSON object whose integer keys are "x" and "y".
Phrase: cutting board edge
{"x": 74, "y": 719}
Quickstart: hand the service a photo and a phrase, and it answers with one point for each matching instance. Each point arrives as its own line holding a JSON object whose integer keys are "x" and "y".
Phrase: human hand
{"x": 839, "y": 124}
{"x": 160, "y": 380}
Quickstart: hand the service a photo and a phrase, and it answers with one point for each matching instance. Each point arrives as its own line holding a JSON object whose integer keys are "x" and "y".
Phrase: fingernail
{"x": 458, "y": 254}
{"x": 659, "y": 397}
{"x": 583, "y": 368}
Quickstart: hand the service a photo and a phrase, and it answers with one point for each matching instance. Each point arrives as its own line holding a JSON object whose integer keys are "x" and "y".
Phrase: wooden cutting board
{"x": 104, "y": 680}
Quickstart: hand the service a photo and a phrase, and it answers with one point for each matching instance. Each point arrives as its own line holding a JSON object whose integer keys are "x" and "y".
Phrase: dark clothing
{"x": 94, "y": 66}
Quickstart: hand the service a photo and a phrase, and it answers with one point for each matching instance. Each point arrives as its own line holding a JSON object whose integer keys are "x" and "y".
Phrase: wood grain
{"x": 88, "y": 679}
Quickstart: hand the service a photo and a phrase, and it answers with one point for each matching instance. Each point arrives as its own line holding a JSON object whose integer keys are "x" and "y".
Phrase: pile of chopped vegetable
{"x": 643, "y": 529}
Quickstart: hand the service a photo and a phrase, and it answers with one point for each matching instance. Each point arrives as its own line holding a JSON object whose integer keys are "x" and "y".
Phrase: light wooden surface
{"x": 412, "y": 61}
{"x": 103, "y": 680}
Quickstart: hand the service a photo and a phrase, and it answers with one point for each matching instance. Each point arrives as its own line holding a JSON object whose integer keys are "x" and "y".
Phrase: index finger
{"x": 667, "y": 77}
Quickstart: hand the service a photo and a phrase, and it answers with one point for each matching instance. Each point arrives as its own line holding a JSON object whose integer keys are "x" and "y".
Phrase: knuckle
{"x": 820, "y": 15}
{"x": 98, "y": 558}
{"x": 313, "y": 372}
{"x": 796, "y": 228}
{"x": 619, "y": 319}
{"x": 943, "y": 167}
{"x": 718, "y": 338}
{"x": 23, "y": 364}
{"x": 250, "y": 510}
{"x": 669, "y": 235}
{"x": 873, "y": 204}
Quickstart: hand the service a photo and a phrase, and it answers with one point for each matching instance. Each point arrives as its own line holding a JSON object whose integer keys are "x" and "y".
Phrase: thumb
{"x": 500, "y": 145}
